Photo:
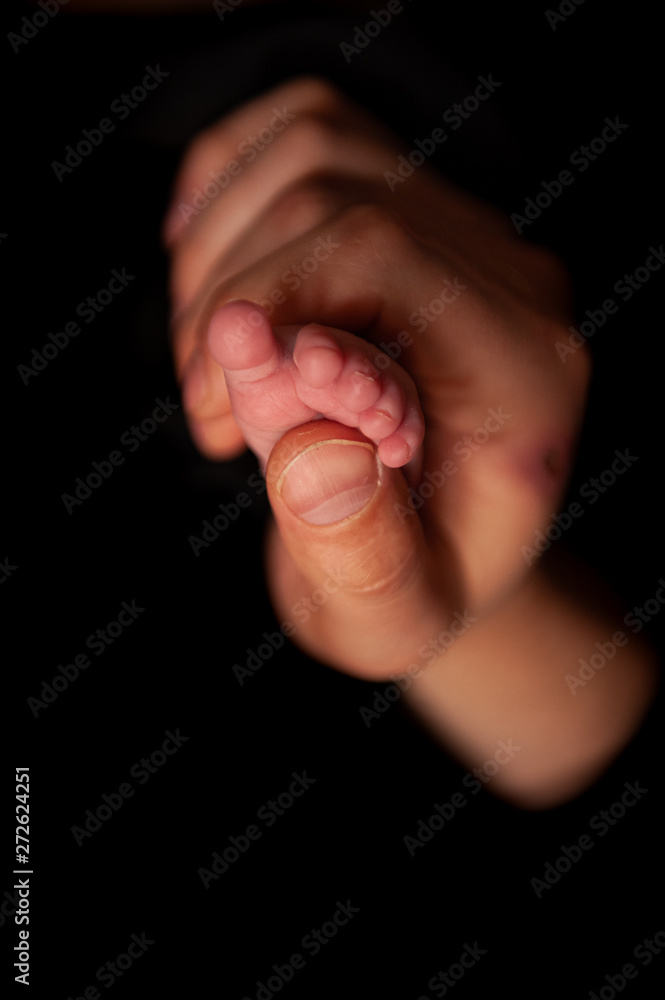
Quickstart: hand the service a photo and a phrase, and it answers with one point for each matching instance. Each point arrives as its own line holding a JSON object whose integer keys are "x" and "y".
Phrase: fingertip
{"x": 204, "y": 390}
{"x": 172, "y": 226}
{"x": 195, "y": 385}
{"x": 217, "y": 438}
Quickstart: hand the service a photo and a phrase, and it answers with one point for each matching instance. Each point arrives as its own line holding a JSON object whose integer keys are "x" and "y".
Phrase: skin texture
{"x": 280, "y": 379}
{"x": 472, "y": 315}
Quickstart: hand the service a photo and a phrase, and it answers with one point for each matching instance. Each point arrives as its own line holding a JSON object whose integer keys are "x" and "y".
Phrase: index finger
{"x": 221, "y": 147}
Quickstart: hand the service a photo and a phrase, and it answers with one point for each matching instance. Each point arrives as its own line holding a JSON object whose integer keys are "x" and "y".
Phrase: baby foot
{"x": 278, "y": 379}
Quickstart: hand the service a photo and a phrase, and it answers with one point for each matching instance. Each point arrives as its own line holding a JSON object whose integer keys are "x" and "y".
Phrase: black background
{"x": 172, "y": 668}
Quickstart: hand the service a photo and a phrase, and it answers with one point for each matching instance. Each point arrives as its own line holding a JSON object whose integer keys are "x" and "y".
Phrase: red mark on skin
{"x": 552, "y": 464}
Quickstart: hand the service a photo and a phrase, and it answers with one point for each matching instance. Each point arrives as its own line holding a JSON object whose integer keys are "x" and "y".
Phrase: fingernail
{"x": 330, "y": 480}
{"x": 196, "y": 383}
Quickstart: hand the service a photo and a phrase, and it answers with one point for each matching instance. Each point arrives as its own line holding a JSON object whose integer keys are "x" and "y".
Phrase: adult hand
{"x": 319, "y": 216}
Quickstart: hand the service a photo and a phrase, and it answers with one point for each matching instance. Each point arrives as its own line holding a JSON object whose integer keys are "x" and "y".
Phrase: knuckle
{"x": 317, "y": 93}
{"x": 312, "y": 140}
{"x": 202, "y": 148}
{"x": 376, "y": 227}
{"x": 308, "y": 202}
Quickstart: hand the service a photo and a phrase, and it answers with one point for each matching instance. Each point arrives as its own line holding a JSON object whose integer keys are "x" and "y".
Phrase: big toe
{"x": 240, "y": 337}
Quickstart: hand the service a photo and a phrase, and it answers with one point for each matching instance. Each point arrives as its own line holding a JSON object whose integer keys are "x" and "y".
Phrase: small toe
{"x": 317, "y": 356}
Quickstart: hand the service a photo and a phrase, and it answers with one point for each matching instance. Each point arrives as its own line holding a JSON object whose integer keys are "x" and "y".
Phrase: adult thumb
{"x": 348, "y": 564}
